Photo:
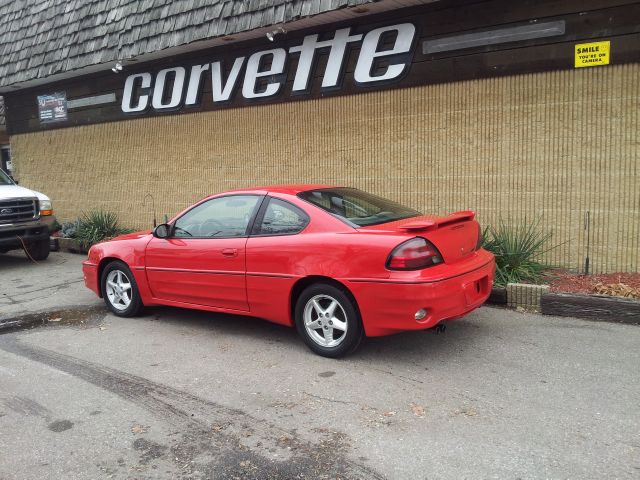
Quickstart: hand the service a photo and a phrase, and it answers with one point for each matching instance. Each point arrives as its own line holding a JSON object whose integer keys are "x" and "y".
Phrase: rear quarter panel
{"x": 327, "y": 247}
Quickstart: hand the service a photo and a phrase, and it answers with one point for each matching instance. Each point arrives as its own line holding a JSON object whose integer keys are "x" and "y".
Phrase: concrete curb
{"x": 70, "y": 245}
{"x": 591, "y": 307}
{"x": 525, "y": 296}
{"x": 498, "y": 296}
{"x": 587, "y": 307}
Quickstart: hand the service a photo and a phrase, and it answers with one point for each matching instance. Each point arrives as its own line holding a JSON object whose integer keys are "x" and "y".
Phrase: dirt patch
{"x": 149, "y": 450}
{"x": 614, "y": 284}
{"x": 81, "y": 316}
{"x": 60, "y": 425}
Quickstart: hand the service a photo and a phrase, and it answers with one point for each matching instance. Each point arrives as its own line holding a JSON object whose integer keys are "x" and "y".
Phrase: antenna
{"x": 153, "y": 204}
{"x": 587, "y": 228}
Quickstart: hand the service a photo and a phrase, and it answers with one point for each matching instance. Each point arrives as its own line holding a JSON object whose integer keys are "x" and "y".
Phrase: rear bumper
{"x": 390, "y": 307}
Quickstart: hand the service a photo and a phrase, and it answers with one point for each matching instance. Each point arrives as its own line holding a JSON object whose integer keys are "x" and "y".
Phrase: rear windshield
{"x": 357, "y": 208}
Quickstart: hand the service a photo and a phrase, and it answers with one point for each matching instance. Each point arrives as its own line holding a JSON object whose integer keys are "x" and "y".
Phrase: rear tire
{"x": 328, "y": 320}
{"x": 38, "y": 250}
{"x": 120, "y": 290}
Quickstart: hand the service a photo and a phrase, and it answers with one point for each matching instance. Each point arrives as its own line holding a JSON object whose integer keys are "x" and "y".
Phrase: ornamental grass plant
{"x": 518, "y": 249}
{"x": 96, "y": 226}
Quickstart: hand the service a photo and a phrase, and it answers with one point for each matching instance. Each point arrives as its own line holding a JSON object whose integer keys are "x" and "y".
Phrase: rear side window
{"x": 357, "y": 208}
{"x": 282, "y": 218}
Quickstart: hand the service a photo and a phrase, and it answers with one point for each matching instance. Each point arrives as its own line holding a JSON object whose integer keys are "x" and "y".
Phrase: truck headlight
{"x": 45, "y": 207}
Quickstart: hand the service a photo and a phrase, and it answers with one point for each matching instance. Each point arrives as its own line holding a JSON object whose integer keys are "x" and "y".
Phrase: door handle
{"x": 230, "y": 252}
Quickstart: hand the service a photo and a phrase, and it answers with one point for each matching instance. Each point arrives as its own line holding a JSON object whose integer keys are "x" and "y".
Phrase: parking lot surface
{"x": 186, "y": 394}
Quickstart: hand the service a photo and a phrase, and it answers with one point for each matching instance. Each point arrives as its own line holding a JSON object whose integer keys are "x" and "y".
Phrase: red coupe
{"x": 337, "y": 262}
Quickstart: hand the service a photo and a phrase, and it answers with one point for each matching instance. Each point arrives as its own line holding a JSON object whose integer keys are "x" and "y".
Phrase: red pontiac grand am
{"x": 336, "y": 262}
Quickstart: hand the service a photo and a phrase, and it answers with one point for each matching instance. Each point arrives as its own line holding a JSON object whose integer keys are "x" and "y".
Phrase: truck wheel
{"x": 38, "y": 250}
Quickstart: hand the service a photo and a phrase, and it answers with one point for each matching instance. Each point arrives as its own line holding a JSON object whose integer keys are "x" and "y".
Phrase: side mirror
{"x": 162, "y": 231}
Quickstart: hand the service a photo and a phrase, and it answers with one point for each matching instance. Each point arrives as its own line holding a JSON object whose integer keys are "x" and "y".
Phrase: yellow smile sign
{"x": 592, "y": 54}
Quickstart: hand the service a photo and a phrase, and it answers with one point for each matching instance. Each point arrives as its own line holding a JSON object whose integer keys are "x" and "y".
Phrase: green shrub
{"x": 517, "y": 249}
{"x": 69, "y": 229}
{"x": 98, "y": 225}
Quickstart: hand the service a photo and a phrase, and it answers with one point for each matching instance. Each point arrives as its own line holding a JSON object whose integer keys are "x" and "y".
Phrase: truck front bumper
{"x": 12, "y": 235}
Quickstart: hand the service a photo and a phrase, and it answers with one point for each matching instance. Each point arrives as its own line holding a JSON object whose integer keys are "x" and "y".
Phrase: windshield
{"x": 4, "y": 179}
{"x": 357, "y": 208}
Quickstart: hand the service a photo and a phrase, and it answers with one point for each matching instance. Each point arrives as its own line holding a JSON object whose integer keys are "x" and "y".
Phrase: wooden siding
{"x": 552, "y": 145}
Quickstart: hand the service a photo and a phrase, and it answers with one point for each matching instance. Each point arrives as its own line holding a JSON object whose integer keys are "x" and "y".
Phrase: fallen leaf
{"x": 389, "y": 414}
{"x": 57, "y": 319}
{"x": 616, "y": 290}
{"x": 139, "y": 429}
{"x": 418, "y": 410}
{"x": 103, "y": 328}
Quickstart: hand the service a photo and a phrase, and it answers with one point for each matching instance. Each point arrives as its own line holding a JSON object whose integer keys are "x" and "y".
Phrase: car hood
{"x": 8, "y": 192}
{"x": 132, "y": 236}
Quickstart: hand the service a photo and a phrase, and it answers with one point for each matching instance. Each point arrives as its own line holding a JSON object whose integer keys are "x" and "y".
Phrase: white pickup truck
{"x": 26, "y": 219}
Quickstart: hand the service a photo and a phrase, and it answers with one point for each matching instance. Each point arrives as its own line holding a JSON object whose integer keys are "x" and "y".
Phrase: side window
{"x": 282, "y": 218}
{"x": 222, "y": 217}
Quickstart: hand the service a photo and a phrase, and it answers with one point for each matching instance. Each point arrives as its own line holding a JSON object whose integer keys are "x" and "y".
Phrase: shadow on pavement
{"x": 420, "y": 345}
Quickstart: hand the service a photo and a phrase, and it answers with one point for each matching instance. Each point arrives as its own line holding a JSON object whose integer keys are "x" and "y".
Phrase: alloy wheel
{"x": 325, "y": 321}
{"x": 118, "y": 289}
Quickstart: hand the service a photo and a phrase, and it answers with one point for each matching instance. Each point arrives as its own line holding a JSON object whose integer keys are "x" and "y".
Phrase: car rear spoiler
{"x": 427, "y": 225}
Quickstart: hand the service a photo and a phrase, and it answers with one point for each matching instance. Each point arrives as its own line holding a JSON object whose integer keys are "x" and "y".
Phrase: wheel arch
{"x": 305, "y": 282}
{"x": 102, "y": 265}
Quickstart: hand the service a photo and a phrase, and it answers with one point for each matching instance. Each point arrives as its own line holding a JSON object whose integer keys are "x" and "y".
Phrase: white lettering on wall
{"x": 222, "y": 91}
{"x": 252, "y": 74}
{"x": 193, "y": 90}
{"x": 338, "y": 46}
{"x": 336, "y": 57}
{"x": 370, "y": 52}
{"x": 127, "y": 95}
{"x": 176, "y": 90}
{"x": 265, "y": 75}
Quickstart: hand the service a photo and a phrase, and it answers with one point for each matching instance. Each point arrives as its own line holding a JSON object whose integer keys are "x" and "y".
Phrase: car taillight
{"x": 414, "y": 254}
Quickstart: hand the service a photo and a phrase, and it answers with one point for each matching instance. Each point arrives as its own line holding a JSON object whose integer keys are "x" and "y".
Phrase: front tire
{"x": 120, "y": 290}
{"x": 38, "y": 250}
{"x": 328, "y": 320}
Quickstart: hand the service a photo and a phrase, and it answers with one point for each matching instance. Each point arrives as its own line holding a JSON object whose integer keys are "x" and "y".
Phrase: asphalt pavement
{"x": 194, "y": 395}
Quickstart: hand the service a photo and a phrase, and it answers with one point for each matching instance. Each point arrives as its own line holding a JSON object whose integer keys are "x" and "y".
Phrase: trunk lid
{"x": 455, "y": 235}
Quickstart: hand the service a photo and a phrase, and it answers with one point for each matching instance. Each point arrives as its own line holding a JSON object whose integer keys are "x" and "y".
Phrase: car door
{"x": 203, "y": 260}
{"x": 273, "y": 249}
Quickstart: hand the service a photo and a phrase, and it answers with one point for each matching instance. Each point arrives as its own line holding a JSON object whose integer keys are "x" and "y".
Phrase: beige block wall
{"x": 550, "y": 145}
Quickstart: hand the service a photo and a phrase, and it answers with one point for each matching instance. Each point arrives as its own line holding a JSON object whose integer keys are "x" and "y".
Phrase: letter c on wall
{"x": 143, "y": 99}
